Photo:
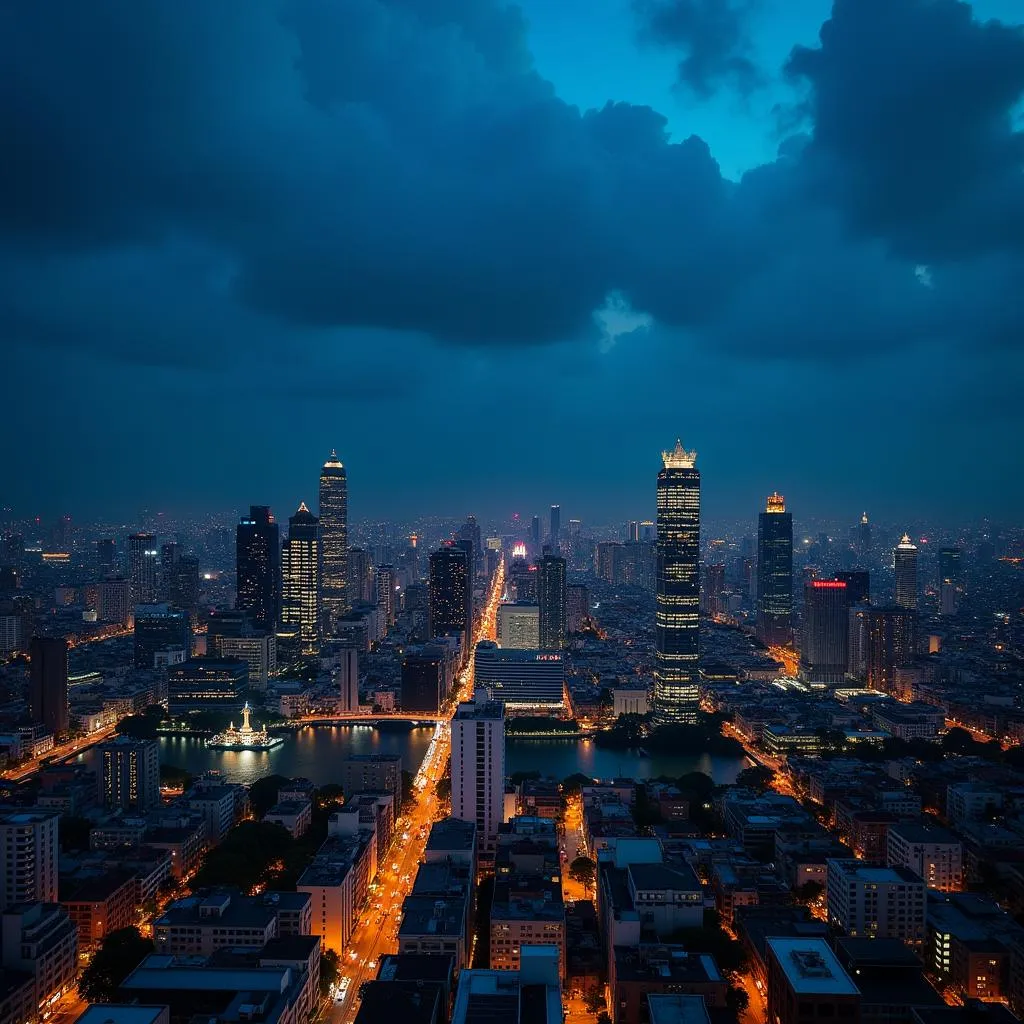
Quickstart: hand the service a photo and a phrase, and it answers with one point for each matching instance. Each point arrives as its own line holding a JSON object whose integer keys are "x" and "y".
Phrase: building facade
{"x": 450, "y": 607}
{"x": 300, "y": 578}
{"x": 48, "y": 682}
{"x": 824, "y": 648}
{"x": 905, "y": 563}
{"x": 131, "y": 773}
{"x": 334, "y": 540}
{"x": 478, "y": 768}
{"x": 551, "y": 601}
{"x": 258, "y": 565}
{"x": 775, "y": 574}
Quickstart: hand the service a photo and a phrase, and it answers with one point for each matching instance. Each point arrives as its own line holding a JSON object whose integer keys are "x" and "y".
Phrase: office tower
{"x": 522, "y": 580}
{"x": 608, "y": 560}
{"x": 478, "y": 767}
{"x": 865, "y": 901}
{"x": 423, "y": 679}
{"x": 648, "y": 531}
{"x": 825, "y": 645}
{"x": 551, "y": 599}
{"x": 577, "y": 607}
{"x": 359, "y": 582}
{"x": 857, "y": 644}
{"x": 905, "y": 561}
{"x": 48, "y": 682}
{"x": 535, "y": 532}
{"x": 676, "y": 692}
{"x": 951, "y": 580}
{"x": 858, "y": 585}
{"x": 142, "y": 568}
{"x": 170, "y": 552}
{"x": 207, "y": 684}
{"x": 348, "y": 681}
{"x": 524, "y": 681}
{"x": 466, "y": 544}
{"x": 470, "y": 531}
{"x": 231, "y": 634}
{"x": 556, "y": 525}
{"x": 450, "y": 608}
{"x": 106, "y": 555}
{"x": 113, "y": 601}
{"x": 333, "y": 540}
{"x": 633, "y": 531}
{"x": 28, "y": 845}
{"x": 519, "y": 626}
{"x": 891, "y": 646}
{"x": 864, "y": 538}
{"x": 775, "y": 573}
{"x": 258, "y": 564}
{"x": 131, "y": 774}
{"x": 181, "y": 581}
{"x": 386, "y": 583}
{"x": 300, "y": 578}
{"x": 159, "y": 627}
{"x": 712, "y": 599}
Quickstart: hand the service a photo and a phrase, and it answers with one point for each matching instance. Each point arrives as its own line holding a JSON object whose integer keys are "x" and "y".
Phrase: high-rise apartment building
{"x": 113, "y": 601}
{"x": 143, "y": 559}
{"x": 577, "y": 606}
{"x": 556, "y": 525}
{"x": 300, "y": 578}
{"x": 334, "y": 540}
{"x": 386, "y": 584}
{"x": 478, "y": 768}
{"x": 551, "y": 600}
{"x": 450, "y": 607}
{"x": 905, "y": 562}
{"x": 131, "y": 773}
{"x": 535, "y": 532}
{"x": 824, "y": 649}
{"x": 676, "y": 691}
{"x": 359, "y": 582}
{"x": 28, "y": 845}
{"x": 891, "y": 646}
{"x": 951, "y": 580}
{"x": 181, "y": 583}
{"x": 865, "y": 901}
{"x": 159, "y": 627}
{"x": 258, "y": 564}
{"x": 712, "y": 593}
{"x": 775, "y": 573}
{"x": 48, "y": 682}
{"x": 519, "y": 626}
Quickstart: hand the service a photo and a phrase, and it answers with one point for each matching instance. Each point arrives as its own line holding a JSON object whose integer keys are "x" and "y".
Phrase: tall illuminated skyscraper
{"x": 48, "y": 682}
{"x": 864, "y": 537}
{"x": 300, "y": 578}
{"x": 142, "y": 568}
{"x": 551, "y": 598}
{"x": 450, "y": 607}
{"x": 333, "y": 540}
{"x": 905, "y": 561}
{"x": 775, "y": 573}
{"x": 825, "y": 643}
{"x": 951, "y": 580}
{"x": 676, "y": 691}
{"x": 258, "y": 566}
{"x": 556, "y": 525}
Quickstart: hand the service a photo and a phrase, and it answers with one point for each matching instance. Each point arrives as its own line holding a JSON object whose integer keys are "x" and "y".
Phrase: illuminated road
{"x": 58, "y": 753}
{"x": 377, "y": 931}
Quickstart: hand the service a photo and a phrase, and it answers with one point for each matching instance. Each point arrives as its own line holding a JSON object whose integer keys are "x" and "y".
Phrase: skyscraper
{"x": 386, "y": 592}
{"x": 712, "y": 601}
{"x": 358, "y": 575}
{"x": 535, "y": 532}
{"x": 556, "y": 525}
{"x": 905, "y": 561}
{"x": 551, "y": 598}
{"x": 951, "y": 580}
{"x": 470, "y": 531}
{"x": 300, "y": 578}
{"x": 142, "y": 568}
{"x": 824, "y": 650}
{"x": 676, "y": 692}
{"x": 864, "y": 537}
{"x": 159, "y": 627}
{"x": 577, "y": 606}
{"x": 48, "y": 682}
{"x": 334, "y": 540}
{"x": 775, "y": 573}
{"x": 131, "y": 773}
{"x": 258, "y": 564}
{"x": 891, "y": 643}
{"x": 450, "y": 607}
{"x": 478, "y": 767}
{"x": 182, "y": 583}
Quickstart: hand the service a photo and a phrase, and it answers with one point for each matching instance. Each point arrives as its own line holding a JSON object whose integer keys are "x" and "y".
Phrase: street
{"x": 377, "y": 931}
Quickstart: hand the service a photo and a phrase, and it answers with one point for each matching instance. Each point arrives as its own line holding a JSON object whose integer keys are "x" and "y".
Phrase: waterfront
{"x": 315, "y": 752}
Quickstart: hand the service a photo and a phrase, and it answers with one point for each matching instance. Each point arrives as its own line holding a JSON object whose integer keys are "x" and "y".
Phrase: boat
{"x": 246, "y": 738}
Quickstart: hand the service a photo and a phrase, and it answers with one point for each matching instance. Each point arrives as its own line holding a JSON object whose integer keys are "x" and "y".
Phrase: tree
{"x": 172, "y": 775}
{"x": 604, "y": 1017}
{"x": 444, "y": 787}
{"x": 263, "y": 793}
{"x": 139, "y": 727}
{"x": 408, "y": 788}
{"x": 575, "y": 782}
{"x": 696, "y": 785}
{"x": 330, "y": 971}
{"x": 737, "y": 1000}
{"x": 583, "y": 869}
{"x": 808, "y": 892}
{"x": 122, "y": 951}
{"x": 245, "y": 856}
{"x": 758, "y": 778}
{"x": 594, "y": 1000}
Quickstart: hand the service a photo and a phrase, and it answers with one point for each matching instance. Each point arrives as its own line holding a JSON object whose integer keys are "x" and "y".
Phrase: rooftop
{"x": 451, "y": 834}
{"x": 810, "y": 967}
{"x": 430, "y": 915}
{"x": 915, "y": 832}
{"x": 114, "y": 1013}
{"x": 874, "y": 874}
{"x": 671, "y": 963}
{"x": 412, "y": 1002}
{"x": 677, "y": 1009}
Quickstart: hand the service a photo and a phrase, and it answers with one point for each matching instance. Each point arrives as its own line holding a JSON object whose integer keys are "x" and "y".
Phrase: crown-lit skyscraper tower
{"x": 300, "y": 578}
{"x": 905, "y": 562}
{"x": 676, "y": 691}
{"x": 333, "y": 540}
{"x": 775, "y": 574}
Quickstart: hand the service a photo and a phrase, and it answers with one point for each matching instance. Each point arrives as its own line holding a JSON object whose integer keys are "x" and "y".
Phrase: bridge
{"x": 354, "y": 718}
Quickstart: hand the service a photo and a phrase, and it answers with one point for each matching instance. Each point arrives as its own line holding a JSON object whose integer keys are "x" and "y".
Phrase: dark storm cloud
{"x": 188, "y": 181}
{"x": 713, "y": 34}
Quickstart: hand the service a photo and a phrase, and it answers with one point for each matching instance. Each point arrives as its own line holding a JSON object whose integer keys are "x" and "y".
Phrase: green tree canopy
{"x": 758, "y": 778}
{"x": 583, "y": 870}
{"x": 263, "y": 793}
{"x": 121, "y": 952}
{"x": 245, "y": 856}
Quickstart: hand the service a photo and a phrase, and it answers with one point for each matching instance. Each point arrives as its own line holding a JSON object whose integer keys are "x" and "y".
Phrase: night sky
{"x": 501, "y": 256}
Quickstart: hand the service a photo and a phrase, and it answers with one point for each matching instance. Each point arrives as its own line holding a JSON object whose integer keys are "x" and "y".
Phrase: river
{"x": 315, "y": 753}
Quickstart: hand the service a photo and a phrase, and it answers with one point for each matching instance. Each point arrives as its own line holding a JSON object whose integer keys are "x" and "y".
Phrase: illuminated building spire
{"x": 679, "y": 457}
{"x": 776, "y": 503}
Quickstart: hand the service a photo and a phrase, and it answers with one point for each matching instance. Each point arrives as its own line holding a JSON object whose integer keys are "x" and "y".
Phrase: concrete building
{"x": 99, "y": 905}
{"x": 39, "y": 955}
{"x": 131, "y": 773}
{"x": 639, "y": 971}
{"x": 258, "y": 651}
{"x": 28, "y": 847}
{"x": 360, "y": 772}
{"x": 933, "y": 853}
{"x": 879, "y": 902}
{"x": 806, "y": 981}
{"x": 338, "y": 883}
{"x": 478, "y": 768}
{"x": 523, "y": 680}
{"x": 519, "y": 626}
{"x": 531, "y": 995}
{"x": 527, "y": 910}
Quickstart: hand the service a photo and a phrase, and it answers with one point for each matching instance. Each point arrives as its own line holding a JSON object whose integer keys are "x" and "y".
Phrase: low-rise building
{"x": 338, "y": 882}
{"x": 934, "y": 853}
{"x": 99, "y": 905}
{"x": 806, "y": 981}
{"x": 531, "y": 995}
{"x": 646, "y": 969}
{"x": 293, "y": 815}
{"x": 527, "y": 910}
{"x": 876, "y": 902}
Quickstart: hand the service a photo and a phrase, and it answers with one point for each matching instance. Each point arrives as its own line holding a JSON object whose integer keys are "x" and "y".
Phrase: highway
{"x": 377, "y": 930}
{"x": 57, "y": 754}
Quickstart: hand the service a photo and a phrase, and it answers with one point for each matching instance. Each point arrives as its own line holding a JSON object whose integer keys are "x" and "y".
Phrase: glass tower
{"x": 775, "y": 574}
{"x": 333, "y": 540}
{"x": 450, "y": 607}
{"x": 300, "y": 578}
{"x": 905, "y": 562}
{"x": 258, "y": 567}
{"x": 551, "y": 598}
{"x": 676, "y": 692}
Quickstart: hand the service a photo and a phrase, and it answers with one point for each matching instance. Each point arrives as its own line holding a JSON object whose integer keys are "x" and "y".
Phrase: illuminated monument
{"x": 676, "y": 692}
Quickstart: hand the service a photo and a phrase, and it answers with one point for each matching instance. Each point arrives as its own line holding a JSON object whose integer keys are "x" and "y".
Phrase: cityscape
{"x": 511, "y": 512}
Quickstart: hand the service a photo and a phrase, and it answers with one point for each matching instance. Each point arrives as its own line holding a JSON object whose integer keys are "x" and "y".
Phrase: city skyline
{"x": 290, "y": 261}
